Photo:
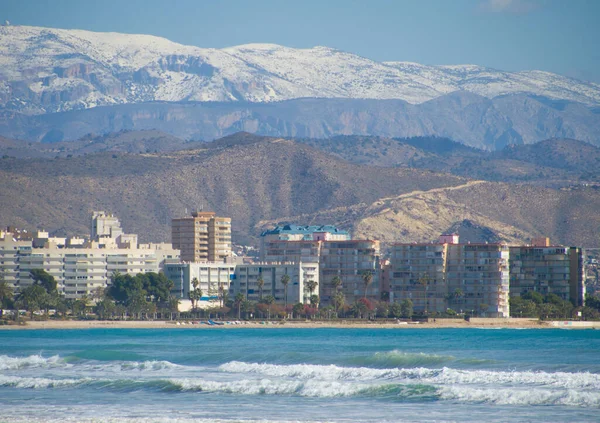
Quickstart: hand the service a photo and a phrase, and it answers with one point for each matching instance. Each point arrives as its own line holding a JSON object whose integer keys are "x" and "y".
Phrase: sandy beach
{"x": 158, "y": 324}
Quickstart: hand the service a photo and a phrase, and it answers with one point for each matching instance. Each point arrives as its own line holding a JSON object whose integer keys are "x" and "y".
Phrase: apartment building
{"x": 478, "y": 278}
{"x": 299, "y": 233}
{"x": 548, "y": 270}
{"x": 349, "y": 260}
{"x": 202, "y": 237}
{"x": 418, "y": 272}
{"x": 243, "y": 278}
{"x": 213, "y": 279}
{"x": 471, "y": 278}
{"x": 247, "y": 276}
{"x": 80, "y": 268}
{"x": 296, "y": 251}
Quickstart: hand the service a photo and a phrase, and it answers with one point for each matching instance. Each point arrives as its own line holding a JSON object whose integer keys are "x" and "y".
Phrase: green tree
{"x": 385, "y": 296}
{"x": 195, "y": 294}
{"x": 395, "y": 310}
{"x": 6, "y": 294}
{"x": 311, "y": 286}
{"x": 105, "y": 308}
{"x": 406, "y": 308}
{"x": 247, "y": 307}
{"x": 336, "y": 283}
{"x": 157, "y": 286}
{"x": 536, "y": 297}
{"x": 592, "y": 301}
{"x": 268, "y": 300}
{"x": 315, "y": 300}
{"x": 32, "y": 298}
{"x": 298, "y": 309}
{"x": 382, "y": 309}
{"x": 338, "y": 301}
{"x": 260, "y": 282}
{"x": 367, "y": 277}
{"x": 136, "y": 303}
{"x": 43, "y": 278}
{"x": 285, "y": 280}
{"x": 81, "y": 306}
{"x": 520, "y": 307}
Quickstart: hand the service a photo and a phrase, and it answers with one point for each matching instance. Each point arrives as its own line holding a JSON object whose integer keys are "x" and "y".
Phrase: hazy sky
{"x": 561, "y": 36}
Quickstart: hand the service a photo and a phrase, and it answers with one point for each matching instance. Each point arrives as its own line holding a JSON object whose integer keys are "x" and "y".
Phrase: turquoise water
{"x": 299, "y": 375}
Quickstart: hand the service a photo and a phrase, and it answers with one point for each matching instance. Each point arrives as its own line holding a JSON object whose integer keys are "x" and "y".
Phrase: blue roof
{"x": 308, "y": 229}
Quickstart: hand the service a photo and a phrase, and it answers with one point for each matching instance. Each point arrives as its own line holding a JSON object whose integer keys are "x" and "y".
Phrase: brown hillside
{"x": 262, "y": 180}
{"x": 514, "y": 213}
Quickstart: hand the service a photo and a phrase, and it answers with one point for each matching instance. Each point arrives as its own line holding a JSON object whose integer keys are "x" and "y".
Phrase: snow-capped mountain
{"x": 46, "y": 70}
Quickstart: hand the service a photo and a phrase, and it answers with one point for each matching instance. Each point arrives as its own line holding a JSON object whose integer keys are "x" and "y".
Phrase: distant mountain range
{"x": 53, "y": 82}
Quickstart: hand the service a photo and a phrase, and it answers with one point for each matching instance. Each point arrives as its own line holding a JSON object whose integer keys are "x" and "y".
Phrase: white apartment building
{"x": 247, "y": 275}
{"x": 212, "y": 278}
{"x": 81, "y": 268}
{"x": 243, "y": 278}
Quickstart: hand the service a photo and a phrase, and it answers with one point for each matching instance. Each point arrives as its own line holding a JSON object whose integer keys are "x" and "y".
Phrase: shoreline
{"x": 186, "y": 324}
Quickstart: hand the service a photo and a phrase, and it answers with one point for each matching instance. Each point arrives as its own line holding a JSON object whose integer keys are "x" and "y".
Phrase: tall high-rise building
{"x": 548, "y": 270}
{"x": 472, "y": 278}
{"x": 202, "y": 237}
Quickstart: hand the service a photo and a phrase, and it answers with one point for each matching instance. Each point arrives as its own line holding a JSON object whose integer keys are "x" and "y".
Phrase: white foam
{"x": 444, "y": 376}
{"x": 521, "y": 396}
{"x": 38, "y": 382}
{"x": 309, "y": 388}
{"x": 152, "y": 365}
{"x": 16, "y": 363}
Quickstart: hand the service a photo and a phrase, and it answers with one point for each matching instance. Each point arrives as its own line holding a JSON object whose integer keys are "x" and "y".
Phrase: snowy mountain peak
{"x": 47, "y": 70}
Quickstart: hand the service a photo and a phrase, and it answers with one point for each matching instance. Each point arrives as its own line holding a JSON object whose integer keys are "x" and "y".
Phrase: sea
{"x": 218, "y": 374}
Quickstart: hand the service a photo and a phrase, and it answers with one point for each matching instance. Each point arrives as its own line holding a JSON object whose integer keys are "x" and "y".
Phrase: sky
{"x": 561, "y": 36}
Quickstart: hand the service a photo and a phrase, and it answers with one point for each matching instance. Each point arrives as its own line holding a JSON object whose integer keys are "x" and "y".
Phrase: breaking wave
{"x": 37, "y": 361}
{"x": 38, "y": 382}
{"x": 422, "y": 391}
{"x": 443, "y": 376}
{"x": 396, "y": 358}
{"x": 16, "y": 363}
{"x": 512, "y": 396}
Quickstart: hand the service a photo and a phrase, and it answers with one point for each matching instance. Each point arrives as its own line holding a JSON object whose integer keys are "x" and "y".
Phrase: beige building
{"x": 349, "y": 260}
{"x": 418, "y": 272}
{"x": 202, "y": 237}
{"x": 470, "y": 278}
{"x": 548, "y": 270}
{"x": 291, "y": 233}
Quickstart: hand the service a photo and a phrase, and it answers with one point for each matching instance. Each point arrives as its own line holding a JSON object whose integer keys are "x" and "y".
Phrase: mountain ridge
{"x": 46, "y": 70}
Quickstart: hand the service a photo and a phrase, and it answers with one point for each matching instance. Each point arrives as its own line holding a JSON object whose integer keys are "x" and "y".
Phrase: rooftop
{"x": 308, "y": 229}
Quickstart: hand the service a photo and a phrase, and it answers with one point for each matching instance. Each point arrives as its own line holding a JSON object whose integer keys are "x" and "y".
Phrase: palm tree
{"x": 285, "y": 280}
{"x": 6, "y": 292}
{"x": 336, "y": 283}
{"x": 311, "y": 285}
{"x": 269, "y": 299}
{"x": 261, "y": 283}
{"x": 367, "y": 277}
{"x": 196, "y": 294}
{"x": 338, "y": 300}
{"x": 239, "y": 299}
